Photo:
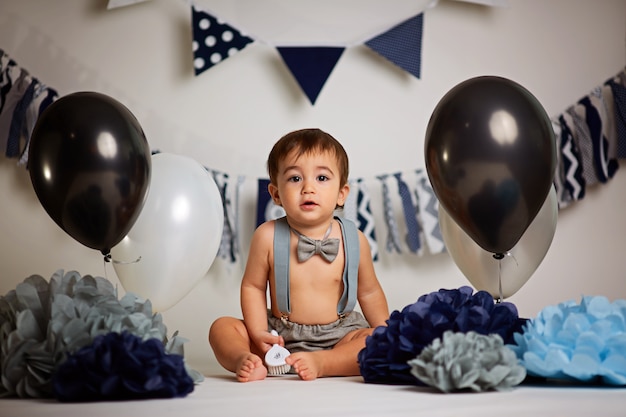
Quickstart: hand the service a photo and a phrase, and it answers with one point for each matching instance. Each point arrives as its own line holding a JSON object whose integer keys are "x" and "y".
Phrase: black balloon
{"x": 89, "y": 163}
{"x": 490, "y": 156}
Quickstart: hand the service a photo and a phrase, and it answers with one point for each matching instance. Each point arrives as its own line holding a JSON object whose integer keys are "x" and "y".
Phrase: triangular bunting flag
{"x": 229, "y": 248}
{"x": 429, "y": 212}
{"x": 213, "y": 41}
{"x": 357, "y": 209}
{"x": 402, "y": 44}
{"x": 265, "y": 208}
{"x": 311, "y": 66}
{"x": 619, "y": 97}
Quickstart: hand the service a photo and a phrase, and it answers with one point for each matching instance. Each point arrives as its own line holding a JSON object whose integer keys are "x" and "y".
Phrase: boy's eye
{"x": 295, "y": 178}
{"x": 322, "y": 178}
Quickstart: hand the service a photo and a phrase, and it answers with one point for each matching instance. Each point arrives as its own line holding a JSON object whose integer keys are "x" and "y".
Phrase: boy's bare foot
{"x": 251, "y": 368}
{"x": 308, "y": 365}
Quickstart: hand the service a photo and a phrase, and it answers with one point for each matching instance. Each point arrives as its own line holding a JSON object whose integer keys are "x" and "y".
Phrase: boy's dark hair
{"x": 305, "y": 141}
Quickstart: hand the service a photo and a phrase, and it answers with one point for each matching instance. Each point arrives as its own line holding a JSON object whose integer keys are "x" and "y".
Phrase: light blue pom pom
{"x": 578, "y": 342}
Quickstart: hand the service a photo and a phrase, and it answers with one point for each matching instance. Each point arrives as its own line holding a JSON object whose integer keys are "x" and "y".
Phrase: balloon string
{"x": 500, "y": 297}
{"x": 115, "y": 261}
{"x": 104, "y": 265}
{"x": 105, "y": 261}
{"x": 108, "y": 258}
{"x": 511, "y": 255}
{"x": 499, "y": 257}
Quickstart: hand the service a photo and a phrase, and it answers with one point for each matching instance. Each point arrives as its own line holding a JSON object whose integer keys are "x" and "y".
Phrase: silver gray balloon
{"x": 502, "y": 277}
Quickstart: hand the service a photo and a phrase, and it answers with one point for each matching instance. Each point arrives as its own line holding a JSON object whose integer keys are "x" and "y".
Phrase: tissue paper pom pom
{"x": 583, "y": 342}
{"x": 389, "y": 348}
{"x": 41, "y": 322}
{"x": 121, "y": 367}
{"x": 468, "y": 361}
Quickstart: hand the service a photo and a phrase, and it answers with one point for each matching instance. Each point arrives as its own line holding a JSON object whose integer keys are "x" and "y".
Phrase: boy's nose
{"x": 308, "y": 187}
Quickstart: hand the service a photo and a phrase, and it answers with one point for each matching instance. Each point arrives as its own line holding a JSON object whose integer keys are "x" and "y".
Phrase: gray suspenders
{"x": 350, "y": 272}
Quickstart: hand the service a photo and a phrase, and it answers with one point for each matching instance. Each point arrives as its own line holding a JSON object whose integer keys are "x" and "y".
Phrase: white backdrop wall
{"x": 228, "y": 118}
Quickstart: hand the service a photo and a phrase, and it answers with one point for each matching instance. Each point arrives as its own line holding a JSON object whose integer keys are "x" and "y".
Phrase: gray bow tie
{"x": 307, "y": 247}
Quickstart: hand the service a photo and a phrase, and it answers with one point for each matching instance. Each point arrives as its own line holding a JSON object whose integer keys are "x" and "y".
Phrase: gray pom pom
{"x": 41, "y": 322}
{"x": 468, "y": 361}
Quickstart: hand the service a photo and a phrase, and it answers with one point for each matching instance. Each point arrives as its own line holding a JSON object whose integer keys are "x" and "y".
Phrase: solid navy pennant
{"x": 311, "y": 66}
{"x": 265, "y": 208}
{"x": 213, "y": 41}
{"x": 402, "y": 44}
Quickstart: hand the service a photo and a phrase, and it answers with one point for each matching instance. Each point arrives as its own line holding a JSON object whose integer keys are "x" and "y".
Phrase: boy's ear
{"x": 343, "y": 195}
{"x": 273, "y": 190}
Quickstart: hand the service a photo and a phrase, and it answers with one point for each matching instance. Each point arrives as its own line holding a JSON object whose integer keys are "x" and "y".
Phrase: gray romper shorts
{"x": 310, "y": 337}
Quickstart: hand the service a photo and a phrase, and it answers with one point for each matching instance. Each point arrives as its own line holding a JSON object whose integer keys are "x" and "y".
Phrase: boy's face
{"x": 309, "y": 187}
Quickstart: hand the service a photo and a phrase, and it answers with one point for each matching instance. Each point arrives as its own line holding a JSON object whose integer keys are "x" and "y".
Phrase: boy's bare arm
{"x": 254, "y": 287}
{"x": 371, "y": 296}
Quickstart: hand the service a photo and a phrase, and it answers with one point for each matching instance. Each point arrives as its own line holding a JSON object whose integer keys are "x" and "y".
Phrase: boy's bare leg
{"x": 230, "y": 342}
{"x": 338, "y": 361}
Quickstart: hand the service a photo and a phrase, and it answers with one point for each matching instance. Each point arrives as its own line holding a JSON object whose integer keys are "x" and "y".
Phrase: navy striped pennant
{"x": 402, "y": 45}
{"x": 619, "y": 95}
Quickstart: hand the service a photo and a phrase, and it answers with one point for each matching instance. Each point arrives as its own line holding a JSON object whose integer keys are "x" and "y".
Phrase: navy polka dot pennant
{"x": 213, "y": 41}
{"x": 402, "y": 44}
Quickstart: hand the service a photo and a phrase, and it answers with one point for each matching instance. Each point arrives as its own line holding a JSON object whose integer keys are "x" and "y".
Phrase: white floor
{"x": 221, "y": 395}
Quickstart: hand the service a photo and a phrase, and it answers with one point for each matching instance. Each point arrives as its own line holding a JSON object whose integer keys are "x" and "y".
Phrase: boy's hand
{"x": 264, "y": 340}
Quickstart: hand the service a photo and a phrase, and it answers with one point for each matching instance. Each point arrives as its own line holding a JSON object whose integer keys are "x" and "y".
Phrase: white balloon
{"x": 485, "y": 272}
{"x": 176, "y": 236}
